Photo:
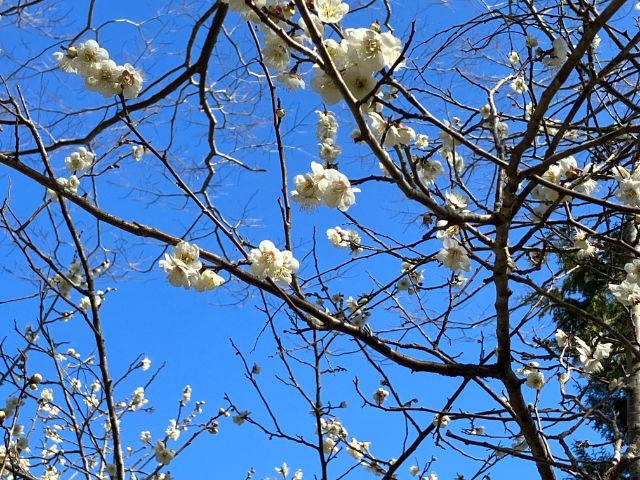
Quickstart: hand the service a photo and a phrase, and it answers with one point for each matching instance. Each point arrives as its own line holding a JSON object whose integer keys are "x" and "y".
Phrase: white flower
{"x": 319, "y": 26}
{"x": 309, "y": 188}
{"x": 104, "y": 78}
{"x": 331, "y": 11}
{"x": 561, "y": 338}
{"x": 558, "y": 55}
{"x": 358, "y": 449}
{"x": 137, "y": 399}
{"x": 325, "y": 86}
{"x": 291, "y": 80}
{"x": 455, "y": 202}
{"x": 414, "y": 471}
{"x": 627, "y": 293}
{"x": 297, "y": 475}
{"x": 276, "y": 53}
{"x": 240, "y": 7}
{"x": 88, "y": 55}
{"x": 422, "y": 141}
{"x": 268, "y": 261}
{"x": 137, "y": 152}
{"x": 338, "y": 192}
{"x": 183, "y": 266}
{"x": 327, "y": 126}
{"x": 163, "y": 454}
{"x": 519, "y": 85}
{"x": 485, "y": 111}
{"x": 79, "y": 160}
{"x": 283, "y": 470}
{"x": 172, "y": 432}
{"x": 359, "y": 81}
{"x": 591, "y": 357}
{"x": 380, "y": 396}
{"x": 629, "y": 192}
{"x": 372, "y": 50}
{"x": 534, "y": 379}
{"x": 441, "y": 421}
{"x": 46, "y": 395}
{"x": 67, "y": 61}
{"x": 338, "y": 52}
{"x": 344, "y": 238}
{"x": 145, "y": 436}
{"x": 186, "y": 394}
{"x": 633, "y": 271}
{"x": 207, "y": 280}
{"x": 130, "y": 81}
{"x": 428, "y": 170}
{"x": 514, "y": 58}
{"x": 145, "y": 364}
{"x": 453, "y": 255}
{"x": 329, "y": 151}
{"x": 328, "y": 445}
{"x": 580, "y": 241}
{"x": 393, "y": 133}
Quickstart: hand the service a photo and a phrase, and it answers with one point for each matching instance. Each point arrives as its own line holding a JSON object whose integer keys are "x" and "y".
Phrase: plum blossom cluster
{"x": 391, "y": 133}
{"x": 185, "y": 270}
{"x": 357, "y": 56}
{"x": 453, "y": 255}
{"x": 565, "y": 173}
{"x": 79, "y": 160}
{"x": 323, "y": 186}
{"x": 327, "y": 134}
{"x": 534, "y": 378}
{"x": 345, "y": 238}
{"x": 411, "y": 279}
{"x": 590, "y": 355}
{"x": 100, "y": 74}
{"x": 269, "y": 262}
{"x": 628, "y": 292}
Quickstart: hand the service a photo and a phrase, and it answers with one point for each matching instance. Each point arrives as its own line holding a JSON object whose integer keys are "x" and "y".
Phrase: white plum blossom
{"x": 207, "y": 280}
{"x": 627, "y": 293}
{"x": 163, "y": 454}
{"x": 137, "y": 152}
{"x": 519, "y": 85}
{"x": 359, "y": 81}
{"x": 182, "y": 266}
{"x": 429, "y": 170}
{"x": 561, "y": 338}
{"x": 581, "y": 242}
{"x": 276, "y": 53}
{"x": 338, "y": 192}
{"x": 79, "y": 160}
{"x": 358, "y": 449}
{"x": 440, "y": 420}
{"x": 558, "y": 55}
{"x": 379, "y": 396}
{"x": 244, "y": 10}
{"x": 372, "y": 50}
{"x": 310, "y": 187}
{"x": 70, "y": 184}
{"x": 513, "y": 58}
{"x": 327, "y": 125}
{"x": 530, "y": 41}
{"x": 337, "y": 51}
{"x": 331, "y": 11}
{"x": 393, "y": 133}
{"x": 269, "y": 262}
{"x": 344, "y": 238}
{"x": 453, "y": 255}
{"x": 100, "y": 73}
{"x": 325, "y": 86}
{"x": 422, "y": 141}
{"x": 291, "y": 81}
{"x": 591, "y": 356}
